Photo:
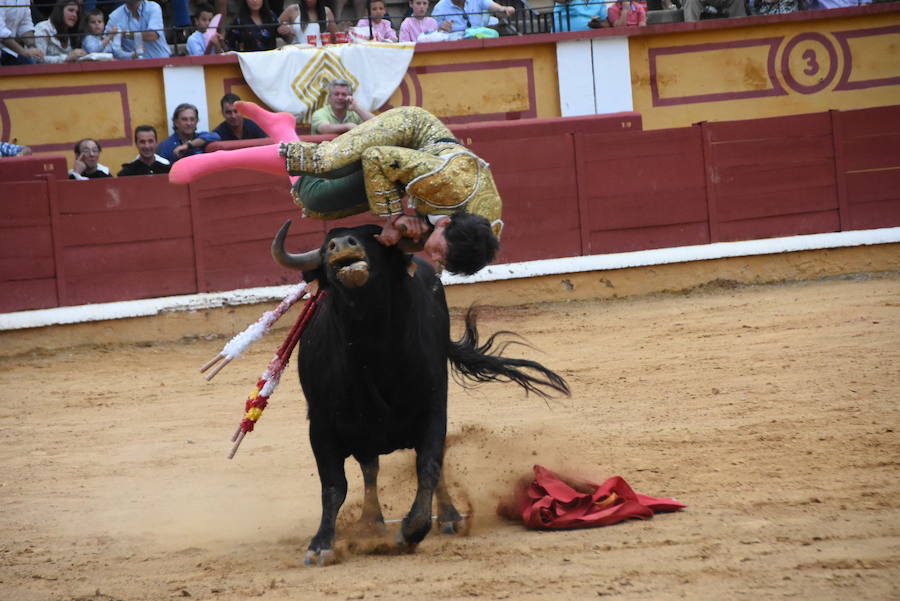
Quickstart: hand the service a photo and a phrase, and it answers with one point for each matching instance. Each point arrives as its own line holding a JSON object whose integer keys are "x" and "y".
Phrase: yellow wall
{"x": 692, "y": 66}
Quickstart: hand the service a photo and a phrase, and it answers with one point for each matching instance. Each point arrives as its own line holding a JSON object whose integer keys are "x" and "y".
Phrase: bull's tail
{"x": 472, "y": 362}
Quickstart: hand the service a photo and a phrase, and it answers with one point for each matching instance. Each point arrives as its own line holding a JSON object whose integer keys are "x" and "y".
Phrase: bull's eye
{"x": 352, "y": 241}
{"x": 331, "y": 245}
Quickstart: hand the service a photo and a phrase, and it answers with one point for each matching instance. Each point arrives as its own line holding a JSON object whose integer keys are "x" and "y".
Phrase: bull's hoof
{"x": 450, "y": 526}
{"x": 405, "y": 546}
{"x": 325, "y": 557}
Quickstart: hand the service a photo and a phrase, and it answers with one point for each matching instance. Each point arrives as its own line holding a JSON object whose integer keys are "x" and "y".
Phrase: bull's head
{"x": 344, "y": 256}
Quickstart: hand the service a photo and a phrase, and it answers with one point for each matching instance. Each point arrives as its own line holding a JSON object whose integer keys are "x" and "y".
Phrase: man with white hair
{"x": 342, "y": 113}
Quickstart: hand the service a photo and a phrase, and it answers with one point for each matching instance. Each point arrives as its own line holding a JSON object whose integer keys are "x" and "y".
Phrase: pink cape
{"x": 548, "y": 503}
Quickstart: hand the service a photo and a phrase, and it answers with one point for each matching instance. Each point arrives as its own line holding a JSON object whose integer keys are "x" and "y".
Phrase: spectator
{"x": 147, "y": 162}
{"x": 418, "y": 23}
{"x": 141, "y": 24}
{"x": 17, "y": 34}
{"x": 236, "y": 126}
{"x": 308, "y": 18}
{"x": 256, "y": 27}
{"x": 627, "y": 13}
{"x": 579, "y": 15}
{"x": 774, "y": 7}
{"x": 731, "y": 8}
{"x": 57, "y": 37}
{"x": 94, "y": 39}
{"x": 196, "y": 43}
{"x": 341, "y": 113}
{"x": 459, "y": 15}
{"x": 359, "y": 9}
{"x": 186, "y": 140}
{"x": 381, "y": 27}
{"x": 8, "y": 149}
{"x": 86, "y": 166}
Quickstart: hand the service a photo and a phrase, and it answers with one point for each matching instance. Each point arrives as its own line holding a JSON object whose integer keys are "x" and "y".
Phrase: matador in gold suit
{"x": 403, "y": 151}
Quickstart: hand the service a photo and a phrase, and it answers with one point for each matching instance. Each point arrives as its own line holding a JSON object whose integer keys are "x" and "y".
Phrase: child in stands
{"x": 418, "y": 23}
{"x": 381, "y": 27}
{"x": 94, "y": 40}
{"x": 197, "y": 44}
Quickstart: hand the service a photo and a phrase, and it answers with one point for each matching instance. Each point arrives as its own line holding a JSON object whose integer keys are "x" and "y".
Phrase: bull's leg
{"x": 429, "y": 458}
{"x": 334, "y": 490}
{"x": 372, "y": 519}
{"x": 449, "y": 519}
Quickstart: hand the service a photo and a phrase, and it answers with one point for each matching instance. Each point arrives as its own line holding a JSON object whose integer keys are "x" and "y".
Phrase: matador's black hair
{"x": 471, "y": 244}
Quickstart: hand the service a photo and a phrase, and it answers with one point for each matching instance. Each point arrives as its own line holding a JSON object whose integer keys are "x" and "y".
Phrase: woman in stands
{"x": 309, "y": 18}
{"x": 58, "y": 37}
{"x": 255, "y": 27}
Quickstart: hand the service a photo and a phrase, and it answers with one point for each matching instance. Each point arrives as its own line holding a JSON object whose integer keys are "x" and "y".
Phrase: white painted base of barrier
{"x": 661, "y": 256}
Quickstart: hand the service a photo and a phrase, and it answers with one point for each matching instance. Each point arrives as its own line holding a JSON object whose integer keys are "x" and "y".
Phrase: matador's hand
{"x": 390, "y": 233}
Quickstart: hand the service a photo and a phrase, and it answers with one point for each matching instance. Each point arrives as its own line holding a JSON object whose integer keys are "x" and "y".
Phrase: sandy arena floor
{"x": 772, "y": 411}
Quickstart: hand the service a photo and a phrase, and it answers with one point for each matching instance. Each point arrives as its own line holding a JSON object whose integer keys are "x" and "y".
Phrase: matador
{"x": 404, "y": 158}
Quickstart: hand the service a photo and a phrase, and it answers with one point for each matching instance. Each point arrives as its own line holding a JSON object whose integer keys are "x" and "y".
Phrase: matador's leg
{"x": 388, "y": 169}
{"x": 407, "y": 126}
{"x": 331, "y": 198}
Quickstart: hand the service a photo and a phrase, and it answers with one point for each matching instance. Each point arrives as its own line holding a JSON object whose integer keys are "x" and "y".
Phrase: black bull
{"x": 373, "y": 367}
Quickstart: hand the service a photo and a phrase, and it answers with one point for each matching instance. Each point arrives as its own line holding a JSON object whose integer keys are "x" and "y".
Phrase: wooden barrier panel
{"x": 27, "y": 266}
{"x": 641, "y": 190}
{"x": 771, "y": 177}
{"x": 20, "y": 169}
{"x": 540, "y": 197}
{"x": 868, "y": 148}
{"x": 124, "y": 238}
{"x": 236, "y": 215}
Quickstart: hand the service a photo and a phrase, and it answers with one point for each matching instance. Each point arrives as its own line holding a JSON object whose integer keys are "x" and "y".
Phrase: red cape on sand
{"x": 549, "y": 503}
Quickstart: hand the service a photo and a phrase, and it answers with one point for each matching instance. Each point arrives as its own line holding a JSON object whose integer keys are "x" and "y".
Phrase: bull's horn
{"x": 302, "y": 262}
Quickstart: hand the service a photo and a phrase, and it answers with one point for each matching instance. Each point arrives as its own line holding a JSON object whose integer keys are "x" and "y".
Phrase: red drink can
{"x": 341, "y": 37}
{"x": 311, "y": 39}
{"x": 326, "y": 38}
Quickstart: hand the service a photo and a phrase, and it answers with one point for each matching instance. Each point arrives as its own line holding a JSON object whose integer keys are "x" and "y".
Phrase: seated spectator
{"x": 57, "y": 37}
{"x": 579, "y": 15}
{"x": 8, "y": 149}
{"x": 309, "y": 18}
{"x": 186, "y": 140}
{"x": 341, "y": 113}
{"x": 236, "y": 126}
{"x": 147, "y": 162}
{"x": 196, "y": 42}
{"x": 418, "y": 23}
{"x": 459, "y": 15}
{"x": 86, "y": 166}
{"x": 731, "y": 8}
{"x": 141, "y": 24}
{"x": 774, "y": 7}
{"x": 627, "y": 14}
{"x": 255, "y": 27}
{"x": 17, "y": 45}
{"x": 381, "y": 27}
{"x": 94, "y": 39}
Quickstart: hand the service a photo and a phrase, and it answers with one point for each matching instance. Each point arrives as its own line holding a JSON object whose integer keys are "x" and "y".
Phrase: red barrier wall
{"x": 571, "y": 187}
{"x": 867, "y": 149}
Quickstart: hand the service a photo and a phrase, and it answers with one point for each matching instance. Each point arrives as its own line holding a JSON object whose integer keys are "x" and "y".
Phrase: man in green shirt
{"x": 342, "y": 113}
